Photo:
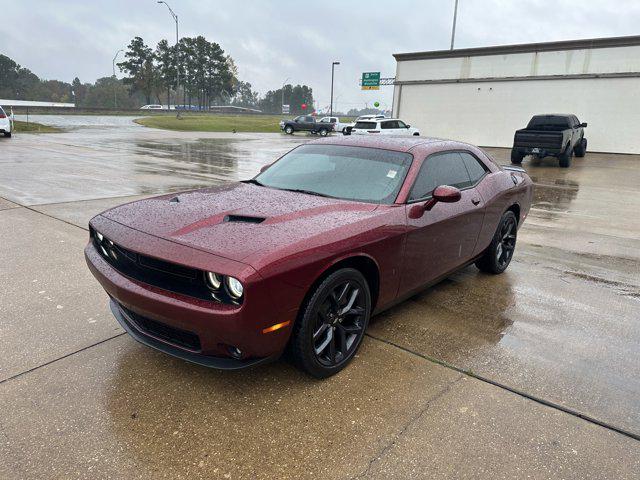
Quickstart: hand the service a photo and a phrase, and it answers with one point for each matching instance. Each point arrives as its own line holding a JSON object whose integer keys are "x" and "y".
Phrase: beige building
{"x": 483, "y": 95}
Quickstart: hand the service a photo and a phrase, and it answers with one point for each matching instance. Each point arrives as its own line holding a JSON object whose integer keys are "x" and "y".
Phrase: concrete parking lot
{"x": 531, "y": 374}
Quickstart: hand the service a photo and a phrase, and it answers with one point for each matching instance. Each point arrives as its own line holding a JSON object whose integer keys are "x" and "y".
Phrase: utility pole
{"x": 453, "y": 29}
{"x": 333, "y": 66}
{"x": 282, "y": 102}
{"x": 115, "y": 85}
{"x": 175, "y": 17}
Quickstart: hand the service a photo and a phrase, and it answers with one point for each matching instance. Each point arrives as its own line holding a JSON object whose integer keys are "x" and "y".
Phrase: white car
{"x": 346, "y": 129}
{"x": 152, "y": 107}
{"x": 5, "y": 123}
{"x": 338, "y": 126}
{"x": 385, "y": 126}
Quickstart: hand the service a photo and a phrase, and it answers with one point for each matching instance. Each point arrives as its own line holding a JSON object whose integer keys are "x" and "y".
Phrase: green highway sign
{"x": 371, "y": 81}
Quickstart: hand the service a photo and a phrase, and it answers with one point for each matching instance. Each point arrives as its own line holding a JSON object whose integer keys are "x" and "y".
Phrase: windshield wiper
{"x": 308, "y": 192}
{"x": 252, "y": 181}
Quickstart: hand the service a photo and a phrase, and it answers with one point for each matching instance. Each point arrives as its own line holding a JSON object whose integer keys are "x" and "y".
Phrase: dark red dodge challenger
{"x": 302, "y": 255}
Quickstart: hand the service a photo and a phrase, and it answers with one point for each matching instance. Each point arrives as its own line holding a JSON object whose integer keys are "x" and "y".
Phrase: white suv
{"x": 386, "y": 126}
{"x": 5, "y": 123}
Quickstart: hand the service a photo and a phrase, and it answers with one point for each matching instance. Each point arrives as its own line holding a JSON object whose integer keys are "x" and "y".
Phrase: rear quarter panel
{"x": 500, "y": 193}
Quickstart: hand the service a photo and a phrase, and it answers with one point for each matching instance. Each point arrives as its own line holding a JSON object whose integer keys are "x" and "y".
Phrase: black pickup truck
{"x": 306, "y": 123}
{"x": 559, "y": 136}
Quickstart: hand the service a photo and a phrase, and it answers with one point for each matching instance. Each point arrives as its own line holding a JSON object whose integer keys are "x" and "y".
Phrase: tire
{"x": 326, "y": 336}
{"x": 565, "y": 157}
{"x": 416, "y": 134}
{"x": 581, "y": 148}
{"x": 288, "y": 130}
{"x": 516, "y": 156}
{"x": 7, "y": 134}
{"x": 323, "y": 132}
{"x": 344, "y": 131}
{"x": 497, "y": 257}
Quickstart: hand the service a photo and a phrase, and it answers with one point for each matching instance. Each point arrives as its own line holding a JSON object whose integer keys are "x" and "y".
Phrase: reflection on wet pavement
{"x": 117, "y": 158}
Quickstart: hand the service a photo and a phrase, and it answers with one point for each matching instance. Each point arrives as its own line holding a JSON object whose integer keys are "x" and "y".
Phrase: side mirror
{"x": 264, "y": 167}
{"x": 443, "y": 193}
{"x": 407, "y": 125}
{"x": 583, "y": 125}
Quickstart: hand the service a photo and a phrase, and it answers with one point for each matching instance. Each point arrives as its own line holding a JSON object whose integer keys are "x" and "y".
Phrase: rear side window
{"x": 365, "y": 125}
{"x": 474, "y": 167}
{"x": 440, "y": 169}
{"x": 387, "y": 125}
{"x": 2, "y": 112}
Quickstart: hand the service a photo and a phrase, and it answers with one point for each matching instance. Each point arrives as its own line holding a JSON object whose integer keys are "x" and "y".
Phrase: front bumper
{"x": 218, "y": 327}
{"x": 143, "y": 336}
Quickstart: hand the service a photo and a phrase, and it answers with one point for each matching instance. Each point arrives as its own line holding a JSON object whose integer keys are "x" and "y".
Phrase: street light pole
{"x": 175, "y": 17}
{"x": 115, "y": 86}
{"x": 333, "y": 66}
{"x": 282, "y": 102}
{"x": 453, "y": 29}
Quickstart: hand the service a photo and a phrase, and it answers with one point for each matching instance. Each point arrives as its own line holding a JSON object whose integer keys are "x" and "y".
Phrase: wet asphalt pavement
{"x": 531, "y": 374}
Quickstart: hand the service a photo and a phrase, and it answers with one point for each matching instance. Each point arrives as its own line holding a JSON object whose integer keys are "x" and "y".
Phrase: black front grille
{"x": 162, "y": 331}
{"x": 152, "y": 271}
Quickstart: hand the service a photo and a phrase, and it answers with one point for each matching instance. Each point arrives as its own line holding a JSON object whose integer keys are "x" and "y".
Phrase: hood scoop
{"x": 243, "y": 219}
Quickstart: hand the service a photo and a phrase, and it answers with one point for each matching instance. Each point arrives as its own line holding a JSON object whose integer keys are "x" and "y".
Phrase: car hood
{"x": 239, "y": 220}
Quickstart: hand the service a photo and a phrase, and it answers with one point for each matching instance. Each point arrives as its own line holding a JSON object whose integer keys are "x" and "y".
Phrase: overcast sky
{"x": 275, "y": 40}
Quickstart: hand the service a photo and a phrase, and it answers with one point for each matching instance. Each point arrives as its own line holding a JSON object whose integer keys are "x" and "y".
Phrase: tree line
{"x": 196, "y": 72}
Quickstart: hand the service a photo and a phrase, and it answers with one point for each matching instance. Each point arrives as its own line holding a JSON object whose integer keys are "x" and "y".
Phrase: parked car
{"x": 554, "y": 135}
{"x": 306, "y": 123}
{"x": 338, "y": 126}
{"x": 5, "y": 123}
{"x": 302, "y": 255}
{"x": 349, "y": 126}
{"x": 386, "y": 126}
{"x": 152, "y": 107}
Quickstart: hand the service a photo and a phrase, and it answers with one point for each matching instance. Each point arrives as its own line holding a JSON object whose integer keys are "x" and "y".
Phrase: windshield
{"x": 351, "y": 173}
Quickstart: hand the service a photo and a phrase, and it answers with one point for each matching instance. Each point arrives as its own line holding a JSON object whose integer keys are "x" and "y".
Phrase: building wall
{"x": 488, "y": 113}
{"x": 484, "y": 99}
{"x": 562, "y": 62}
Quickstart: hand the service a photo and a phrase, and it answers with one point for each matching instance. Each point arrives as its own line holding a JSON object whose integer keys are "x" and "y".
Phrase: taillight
{"x": 2, "y": 115}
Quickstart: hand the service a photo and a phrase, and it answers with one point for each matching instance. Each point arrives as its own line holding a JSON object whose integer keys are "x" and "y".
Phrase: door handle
{"x": 475, "y": 201}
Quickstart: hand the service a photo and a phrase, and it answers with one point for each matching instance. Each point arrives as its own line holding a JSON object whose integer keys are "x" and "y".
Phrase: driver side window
{"x": 445, "y": 168}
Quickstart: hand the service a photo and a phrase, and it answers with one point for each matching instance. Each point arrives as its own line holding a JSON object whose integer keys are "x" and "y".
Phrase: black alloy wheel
{"x": 332, "y": 324}
{"x": 507, "y": 243}
{"x": 497, "y": 257}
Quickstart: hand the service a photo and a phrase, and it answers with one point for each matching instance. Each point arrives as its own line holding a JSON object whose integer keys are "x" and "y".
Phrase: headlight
{"x": 235, "y": 287}
{"x": 99, "y": 236}
{"x": 213, "y": 280}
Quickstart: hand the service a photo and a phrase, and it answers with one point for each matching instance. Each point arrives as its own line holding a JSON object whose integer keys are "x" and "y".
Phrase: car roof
{"x": 397, "y": 143}
{"x": 385, "y": 119}
{"x": 565, "y": 115}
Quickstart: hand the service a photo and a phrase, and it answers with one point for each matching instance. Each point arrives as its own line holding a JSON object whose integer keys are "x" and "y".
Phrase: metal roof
{"x": 589, "y": 43}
